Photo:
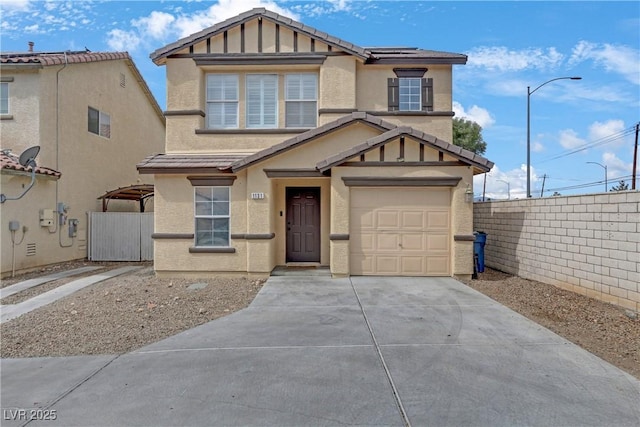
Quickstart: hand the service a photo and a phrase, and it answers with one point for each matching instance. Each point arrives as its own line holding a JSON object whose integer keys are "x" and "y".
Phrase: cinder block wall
{"x": 588, "y": 244}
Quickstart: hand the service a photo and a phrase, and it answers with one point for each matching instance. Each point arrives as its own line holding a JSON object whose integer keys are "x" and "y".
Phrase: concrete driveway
{"x": 321, "y": 351}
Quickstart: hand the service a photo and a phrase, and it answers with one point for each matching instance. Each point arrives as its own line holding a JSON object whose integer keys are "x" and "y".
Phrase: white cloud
{"x": 569, "y": 139}
{"x": 599, "y": 130}
{"x": 120, "y": 40}
{"x": 619, "y": 59}
{"x": 156, "y": 25}
{"x": 616, "y": 167}
{"x": 15, "y": 5}
{"x": 163, "y": 26}
{"x": 537, "y": 147}
{"x": 501, "y": 185}
{"x": 476, "y": 114}
{"x": 501, "y": 58}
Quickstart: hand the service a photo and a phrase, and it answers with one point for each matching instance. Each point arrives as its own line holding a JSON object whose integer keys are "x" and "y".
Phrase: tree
{"x": 468, "y": 135}
{"x": 622, "y": 186}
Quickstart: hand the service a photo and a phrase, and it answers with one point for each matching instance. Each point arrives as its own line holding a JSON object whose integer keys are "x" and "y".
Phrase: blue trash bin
{"x": 478, "y": 249}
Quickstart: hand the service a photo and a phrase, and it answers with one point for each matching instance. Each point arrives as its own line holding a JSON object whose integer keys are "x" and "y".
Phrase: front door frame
{"x": 291, "y": 255}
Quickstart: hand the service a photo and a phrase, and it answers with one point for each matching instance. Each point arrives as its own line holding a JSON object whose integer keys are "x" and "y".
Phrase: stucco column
{"x": 260, "y": 226}
{"x": 339, "y": 234}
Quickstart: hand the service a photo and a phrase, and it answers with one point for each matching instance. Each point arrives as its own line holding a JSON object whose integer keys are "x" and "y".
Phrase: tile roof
{"x": 371, "y": 55}
{"x": 176, "y": 163}
{"x": 9, "y": 161}
{"x": 423, "y": 138}
{"x": 60, "y": 58}
{"x": 45, "y": 59}
{"x": 311, "y": 135}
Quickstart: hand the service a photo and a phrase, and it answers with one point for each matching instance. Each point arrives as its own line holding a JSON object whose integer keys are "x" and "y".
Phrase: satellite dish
{"x": 28, "y": 156}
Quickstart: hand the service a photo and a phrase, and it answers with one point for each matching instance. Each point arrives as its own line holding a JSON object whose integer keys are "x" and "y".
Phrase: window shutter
{"x": 427, "y": 94}
{"x": 393, "y": 91}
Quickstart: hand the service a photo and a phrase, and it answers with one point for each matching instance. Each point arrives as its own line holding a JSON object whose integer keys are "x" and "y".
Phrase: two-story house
{"x": 288, "y": 146}
{"x": 93, "y": 117}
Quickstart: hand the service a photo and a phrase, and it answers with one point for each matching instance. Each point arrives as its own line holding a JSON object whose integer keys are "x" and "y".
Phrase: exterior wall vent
{"x": 123, "y": 80}
{"x": 31, "y": 249}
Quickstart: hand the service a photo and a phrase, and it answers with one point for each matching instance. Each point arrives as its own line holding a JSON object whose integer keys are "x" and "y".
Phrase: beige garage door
{"x": 400, "y": 231}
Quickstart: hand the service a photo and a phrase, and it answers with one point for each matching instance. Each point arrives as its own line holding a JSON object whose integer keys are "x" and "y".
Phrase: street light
{"x": 606, "y": 186}
{"x": 529, "y": 92}
{"x": 508, "y": 188}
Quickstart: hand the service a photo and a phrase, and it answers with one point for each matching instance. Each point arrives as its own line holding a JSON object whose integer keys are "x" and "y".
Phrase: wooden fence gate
{"x": 120, "y": 236}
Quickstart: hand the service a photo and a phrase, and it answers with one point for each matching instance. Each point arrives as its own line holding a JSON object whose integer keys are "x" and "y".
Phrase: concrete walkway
{"x": 12, "y": 311}
{"x": 320, "y": 351}
{"x": 31, "y": 283}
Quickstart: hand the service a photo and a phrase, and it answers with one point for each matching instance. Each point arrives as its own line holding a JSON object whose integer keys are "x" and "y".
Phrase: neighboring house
{"x": 288, "y": 146}
{"x": 93, "y": 117}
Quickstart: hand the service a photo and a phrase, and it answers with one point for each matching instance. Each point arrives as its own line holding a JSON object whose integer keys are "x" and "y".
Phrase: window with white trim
{"x": 262, "y": 101}
{"x": 410, "y": 94}
{"x": 222, "y": 101}
{"x": 4, "y": 98}
{"x": 410, "y": 90}
{"x": 301, "y": 100}
{"x": 99, "y": 123}
{"x": 212, "y": 207}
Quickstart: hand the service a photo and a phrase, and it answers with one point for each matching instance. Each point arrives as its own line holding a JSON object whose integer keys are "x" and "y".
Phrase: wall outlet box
{"x": 14, "y": 225}
{"x": 46, "y": 217}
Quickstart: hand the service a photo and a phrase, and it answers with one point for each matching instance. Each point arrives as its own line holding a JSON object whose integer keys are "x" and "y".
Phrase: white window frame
{"x": 302, "y": 97}
{"x": 5, "y": 99}
{"x": 211, "y": 216}
{"x": 262, "y": 123}
{"x": 410, "y": 86}
{"x": 104, "y": 123}
{"x": 228, "y": 104}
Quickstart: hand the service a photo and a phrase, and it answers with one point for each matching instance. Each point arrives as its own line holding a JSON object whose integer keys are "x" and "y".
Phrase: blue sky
{"x": 510, "y": 45}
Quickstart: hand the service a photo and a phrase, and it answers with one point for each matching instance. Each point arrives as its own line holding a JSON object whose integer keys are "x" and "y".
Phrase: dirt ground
{"x": 125, "y": 313}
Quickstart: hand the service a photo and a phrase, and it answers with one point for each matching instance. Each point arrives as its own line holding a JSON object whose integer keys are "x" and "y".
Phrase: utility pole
{"x": 484, "y": 187}
{"x": 544, "y": 178}
{"x": 635, "y": 160}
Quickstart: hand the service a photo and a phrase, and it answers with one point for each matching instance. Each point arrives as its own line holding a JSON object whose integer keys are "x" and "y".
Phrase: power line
{"x": 598, "y": 142}
{"x": 588, "y": 184}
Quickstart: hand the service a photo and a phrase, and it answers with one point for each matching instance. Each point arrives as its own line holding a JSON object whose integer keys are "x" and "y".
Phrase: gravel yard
{"x": 130, "y": 311}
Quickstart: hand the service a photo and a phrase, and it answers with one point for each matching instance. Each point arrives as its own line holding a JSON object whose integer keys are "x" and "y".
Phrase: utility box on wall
{"x": 46, "y": 217}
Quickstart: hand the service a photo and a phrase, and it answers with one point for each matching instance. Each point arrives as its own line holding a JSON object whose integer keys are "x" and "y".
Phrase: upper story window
{"x": 99, "y": 123}
{"x": 4, "y": 98}
{"x": 262, "y": 101}
{"x": 410, "y": 94}
{"x": 222, "y": 101}
{"x": 410, "y": 91}
{"x": 212, "y": 216}
{"x": 301, "y": 100}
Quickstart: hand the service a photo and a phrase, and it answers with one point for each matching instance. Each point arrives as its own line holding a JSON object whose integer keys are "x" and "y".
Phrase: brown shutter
{"x": 427, "y": 94}
{"x": 393, "y": 90}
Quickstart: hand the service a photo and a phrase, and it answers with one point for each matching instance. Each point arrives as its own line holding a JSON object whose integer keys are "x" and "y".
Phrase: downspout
{"x": 58, "y": 228}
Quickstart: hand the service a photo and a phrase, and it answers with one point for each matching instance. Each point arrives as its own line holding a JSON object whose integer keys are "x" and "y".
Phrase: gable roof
{"x": 46, "y": 59}
{"x": 310, "y": 135}
{"x": 158, "y": 55}
{"x": 390, "y": 131}
{"x": 421, "y": 137}
{"x": 9, "y": 162}
{"x": 370, "y": 55}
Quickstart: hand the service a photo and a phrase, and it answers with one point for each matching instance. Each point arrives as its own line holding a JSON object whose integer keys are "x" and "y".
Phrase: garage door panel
{"x": 400, "y": 231}
{"x": 387, "y": 242}
{"x": 413, "y": 242}
{"x": 387, "y": 264}
{"x": 413, "y": 265}
{"x": 438, "y": 266}
{"x": 438, "y": 243}
{"x": 387, "y": 219}
{"x": 438, "y": 220}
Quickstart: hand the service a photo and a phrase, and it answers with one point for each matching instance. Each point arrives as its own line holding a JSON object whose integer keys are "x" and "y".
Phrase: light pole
{"x": 606, "y": 184}
{"x": 508, "y": 188}
{"x": 529, "y": 92}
